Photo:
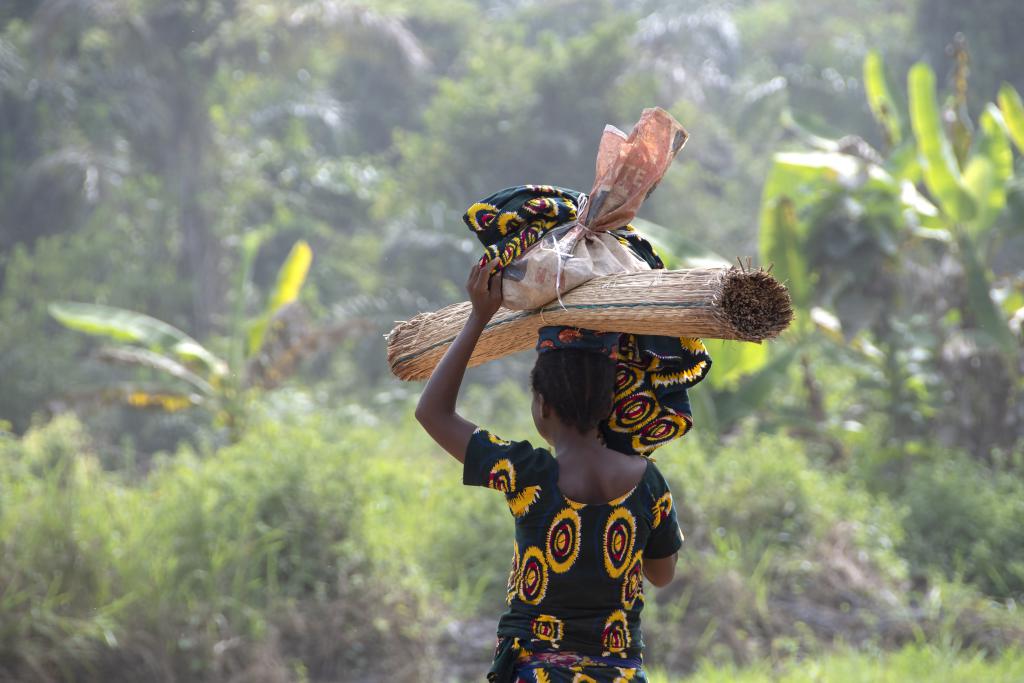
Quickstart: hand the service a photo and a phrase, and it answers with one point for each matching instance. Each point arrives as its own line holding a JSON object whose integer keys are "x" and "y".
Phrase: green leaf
{"x": 980, "y": 181}
{"x": 240, "y": 332}
{"x": 828, "y": 167}
{"x": 755, "y": 388}
{"x": 993, "y": 141}
{"x": 156, "y": 361}
{"x": 1013, "y": 111}
{"x": 986, "y": 312}
{"x": 734, "y": 360}
{"x": 880, "y": 100}
{"x": 290, "y": 279}
{"x": 782, "y": 246}
{"x": 803, "y": 177}
{"x": 788, "y": 121}
{"x": 127, "y": 326}
{"x": 989, "y": 171}
{"x": 938, "y": 165}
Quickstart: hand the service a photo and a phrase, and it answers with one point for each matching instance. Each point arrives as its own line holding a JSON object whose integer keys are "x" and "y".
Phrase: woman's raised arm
{"x": 436, "y": 407}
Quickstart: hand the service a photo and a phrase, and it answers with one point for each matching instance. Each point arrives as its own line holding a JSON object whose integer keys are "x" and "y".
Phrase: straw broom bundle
{"x": 720, "y": 303}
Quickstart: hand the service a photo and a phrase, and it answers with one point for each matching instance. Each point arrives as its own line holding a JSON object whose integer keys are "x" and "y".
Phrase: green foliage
{"x": 921, "y": 664}
{"x": 265, "y": 537}
{"x": 849, "y": 232}
{"x": 135, "y": 328}
{"x": 939, "y": 166}
{"x": 882, "y": 104}
{"x": 154, "y": 344}
{"x": 1013, "y": 111}
{"x": 38, "y": 364}
{"x": 964, "y": 520}
{"x": 164, "y": 158}
{"x": 766, "y": 534}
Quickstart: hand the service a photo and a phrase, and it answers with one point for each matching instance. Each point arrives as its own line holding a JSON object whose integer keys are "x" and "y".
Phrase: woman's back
{"x": 576, "y": 582}
{"x": 594, "y": 474}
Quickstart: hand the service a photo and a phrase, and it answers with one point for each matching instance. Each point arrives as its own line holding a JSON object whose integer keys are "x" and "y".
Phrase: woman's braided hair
{"x": 577, "y": 384}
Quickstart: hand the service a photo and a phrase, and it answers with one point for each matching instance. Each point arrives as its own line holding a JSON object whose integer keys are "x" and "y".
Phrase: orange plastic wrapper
{"x": 630, "y": 167}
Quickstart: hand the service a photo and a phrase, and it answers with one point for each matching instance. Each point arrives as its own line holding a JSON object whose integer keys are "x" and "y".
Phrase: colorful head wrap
{"x": 556, "y": 337}
{"x": 511, "y": 221}
{"x": 651, "y": 406}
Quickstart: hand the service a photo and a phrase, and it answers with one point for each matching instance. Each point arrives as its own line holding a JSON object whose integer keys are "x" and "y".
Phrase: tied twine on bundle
{"x": 570, "y": 233}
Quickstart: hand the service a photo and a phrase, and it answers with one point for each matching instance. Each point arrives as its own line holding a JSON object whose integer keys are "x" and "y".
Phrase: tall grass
{"x": 919, "y": 664}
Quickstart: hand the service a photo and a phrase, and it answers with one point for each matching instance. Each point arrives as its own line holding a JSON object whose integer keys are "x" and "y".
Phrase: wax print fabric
{"x": 576, "y": 582}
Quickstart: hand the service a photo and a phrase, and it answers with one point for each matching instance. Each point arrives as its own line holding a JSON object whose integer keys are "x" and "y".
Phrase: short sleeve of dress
{"x": 666, "y": 537}
{"x": 507, "y": 466}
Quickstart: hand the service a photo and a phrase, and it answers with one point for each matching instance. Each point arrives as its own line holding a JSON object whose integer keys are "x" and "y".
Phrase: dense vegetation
{"x": 233, "y": 200}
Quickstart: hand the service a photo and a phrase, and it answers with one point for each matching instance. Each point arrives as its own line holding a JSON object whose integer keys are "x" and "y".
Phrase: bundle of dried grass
{"x": 720, "y": 303}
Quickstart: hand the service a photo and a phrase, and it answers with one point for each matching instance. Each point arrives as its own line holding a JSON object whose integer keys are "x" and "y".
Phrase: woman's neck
{"x": 572, "y": 445}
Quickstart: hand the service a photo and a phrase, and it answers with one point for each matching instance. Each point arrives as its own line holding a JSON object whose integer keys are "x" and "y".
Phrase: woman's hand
{"x": 484, "y": 290}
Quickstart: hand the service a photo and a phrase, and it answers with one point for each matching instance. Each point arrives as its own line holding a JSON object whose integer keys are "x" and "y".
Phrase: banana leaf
{"x": 988, "y": 171}
{"x": 938, "y": 165}
{"x": 880, "y": 100}
{"x": 987, "y": 313}
{"x": 127, "y": 326}
{"x": 1013, "y": 112}
{"x": 156, "y": 361}
{"x": 782, "y": 246}
{"x": 290, "y": 279}
{"x": 752, "y": 390}
{"x": 735, "y": 359}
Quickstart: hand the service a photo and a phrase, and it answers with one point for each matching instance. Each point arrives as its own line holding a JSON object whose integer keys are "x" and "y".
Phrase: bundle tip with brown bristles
{"x": 757, "y": 305}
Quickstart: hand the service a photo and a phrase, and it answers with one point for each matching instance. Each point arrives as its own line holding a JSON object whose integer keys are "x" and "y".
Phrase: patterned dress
{"x": 575, "y": 591}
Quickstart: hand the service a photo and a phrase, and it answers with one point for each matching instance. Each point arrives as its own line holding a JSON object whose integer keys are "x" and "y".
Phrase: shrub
{"x": 780, "y": 557}
{"x": 965, "y": 520}
{"x": 248, "y": 562}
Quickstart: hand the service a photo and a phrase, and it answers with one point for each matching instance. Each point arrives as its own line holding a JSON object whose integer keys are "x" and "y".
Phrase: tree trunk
{"x": 199, "y": 249}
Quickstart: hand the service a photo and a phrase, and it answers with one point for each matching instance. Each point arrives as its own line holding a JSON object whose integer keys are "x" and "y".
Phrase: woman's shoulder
{"x": 654, "y": 481}
{"x": 507, "y": 466}
{"x": 484, "y": 439}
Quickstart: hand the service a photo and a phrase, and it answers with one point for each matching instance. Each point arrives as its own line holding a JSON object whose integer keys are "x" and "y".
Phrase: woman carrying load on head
{"x": 592, "y": 522}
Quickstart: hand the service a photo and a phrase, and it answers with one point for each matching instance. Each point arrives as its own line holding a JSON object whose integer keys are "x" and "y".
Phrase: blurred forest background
{"x": 212, "y": 210}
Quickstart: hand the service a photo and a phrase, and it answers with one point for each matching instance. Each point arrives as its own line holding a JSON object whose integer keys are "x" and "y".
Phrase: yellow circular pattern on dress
{"x": 496, "y": 440}
{"x": 513, "y": 575}
{"x": 619, "y": 537}
{"x": 502, "y": 477}
{"x": 548, "y": 628}
{"x": 625, "y": 675}
{"x": 662, "y": 508}
{"x": 633, "y": 582}
{"x": 533, "y": 576}
{"x": 615, "y": 638}
{"x": 563, "y": 542}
